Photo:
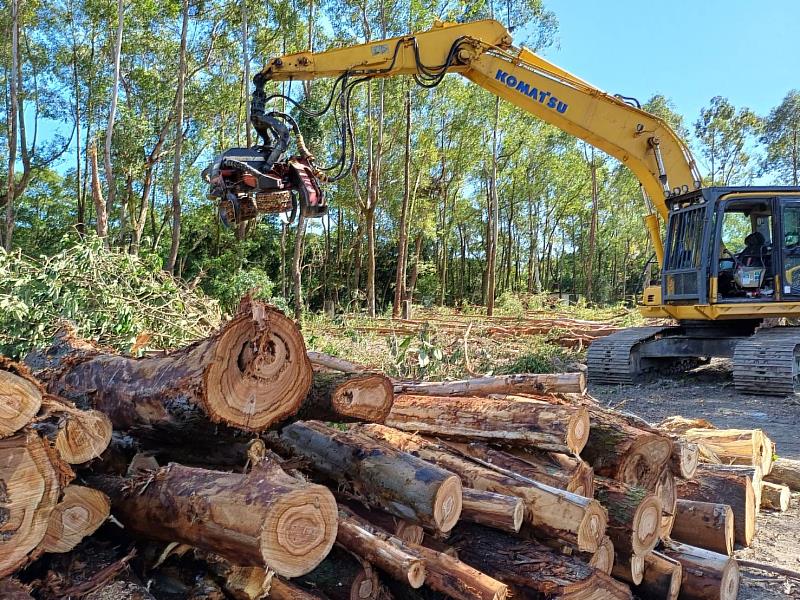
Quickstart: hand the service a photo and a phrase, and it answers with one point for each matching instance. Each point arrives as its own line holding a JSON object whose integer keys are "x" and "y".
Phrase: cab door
{"x": 788, "y": 245}
{"x": 686, "y": 257}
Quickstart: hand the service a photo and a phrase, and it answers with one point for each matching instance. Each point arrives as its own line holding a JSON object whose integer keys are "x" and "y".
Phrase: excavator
{"x": 728, "y": 257}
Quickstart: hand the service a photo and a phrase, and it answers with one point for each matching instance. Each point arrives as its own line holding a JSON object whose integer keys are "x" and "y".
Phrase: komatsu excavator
{"x": 729, "y": 258}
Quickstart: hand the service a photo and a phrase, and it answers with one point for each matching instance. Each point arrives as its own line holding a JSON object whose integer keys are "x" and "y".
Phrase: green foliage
{"x": 109, "y": 296}
{"x": 542, "y": 358}
{"x": 782, "y": 139}
{"x": 510, "y": 304}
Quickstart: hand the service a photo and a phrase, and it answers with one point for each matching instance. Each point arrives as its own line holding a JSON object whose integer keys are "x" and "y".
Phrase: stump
{"x": 345, "y": 397}
{"x": 706, "y": 525}
{"x": 79, "y": 514}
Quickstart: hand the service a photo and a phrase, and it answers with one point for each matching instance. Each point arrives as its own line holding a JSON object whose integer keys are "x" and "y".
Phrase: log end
{"x": 603, "y": 559}
{"x": 85, "y": 436}
{"x": 416, "y": 574}
{"x": 646, "y": 525}
{"x": 300, "y": 531}
{"x": 366, "y": 397}
{"x": 637, "y": 569}
{"x": 578, "y": 430}
{"x": 79, "y": 514}
{"x": 729, "y": 581}
{"x": 447, "y": 504}
{"x": 643, "y": 464}
{"x": 592, "y": 529}
{"x": 775, "y": 497}
{"x": 20, "y": 400}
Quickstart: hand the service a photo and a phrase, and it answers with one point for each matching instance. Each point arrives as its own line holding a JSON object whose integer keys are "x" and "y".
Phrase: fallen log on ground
{"x": 735, "y": 446}
{"x": 251, "y": 373}
{"x": 79, "y": 513}
{"x": 552, "y": 512}
{"x": 456, "y": 579}
{"x": 785, "y": 471}
{"x": 380, "y": 549}
{"x": 402, "y": 529}
{"x": 706, "y": 525}
{"x": 549, "y": 383}
{"x": 398, "y": 482}
{"x": 532, "y": 570}
{"x": 20, "y": 397}
{"x": 774, "y": 496}
{"x": 493, "y": 510}
{"x": 706, "y": 575}
{"x": 634, "y": 516}
{"x": 344, "y": 397}
{"x": 342, "y": 576}
{"x": 547, "y": 427}
{"x": 661, "y": 579}
{"x": 265, "y": 517}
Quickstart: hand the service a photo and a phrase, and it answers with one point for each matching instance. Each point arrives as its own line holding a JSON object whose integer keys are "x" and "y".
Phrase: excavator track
{"x": 767, "y": 362}
{"x": 614, "y": 359}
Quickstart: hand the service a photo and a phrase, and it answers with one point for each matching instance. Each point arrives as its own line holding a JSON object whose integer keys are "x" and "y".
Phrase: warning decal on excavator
{"x": 543, "y": 96}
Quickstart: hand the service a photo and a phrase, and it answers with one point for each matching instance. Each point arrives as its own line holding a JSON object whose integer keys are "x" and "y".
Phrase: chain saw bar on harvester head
{"x": 247, "y": 182}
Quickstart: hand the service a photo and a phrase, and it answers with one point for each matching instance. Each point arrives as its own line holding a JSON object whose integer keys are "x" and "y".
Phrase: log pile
{"x": 240, "y": 468}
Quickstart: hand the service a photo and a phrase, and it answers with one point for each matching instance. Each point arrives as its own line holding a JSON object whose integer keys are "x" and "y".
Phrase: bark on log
{"x": 456, "y": 579}
{"x": 251, "y": 373}
{"x": 532, "y": 570}
{"x": 775, "y": 497}
{"x": 634, "y": 516}
{"x": 78, "y": 435}
{"x": 734, "y": 489}
{"x": 543, "y": 426}
{"x": 402, "y": 529}
{"x": 398, "y": 482}
{"x": 735, "y": 446}
{"x": 500, "y": 511}
{"x": 334, "y": 363}
{"x": 786, "y": 472}
{"x": 620, "y": 451}
{"x": 344, "y": 398}
{"x": 705, "y": 524}
{"x": 341, "y": 576}
{"x": 549, "y": 383}
{"x": 31, "y": 478}
{"x": 20, "y": 397}
{"x": 684, "y": 459}
{"x": 286, "y": 590}
{"x": 603, "y": 559}
{"x": 12, "y": 589}
{"x": 263, "y": 518}
{"x": 557, "y": 470}
{"x": 629, "y": 568}
{"x": 380, "y": 548}
{"x": 706, "y": 575}
{"x": 667, "y": 492}
{"x": 79, "y": 514}
{"x": 662, "y": 578}
{"x": 552, "y": 512}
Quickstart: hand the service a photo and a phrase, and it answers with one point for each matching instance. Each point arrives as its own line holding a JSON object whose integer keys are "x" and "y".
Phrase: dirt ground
{"x": 708, "y": 392}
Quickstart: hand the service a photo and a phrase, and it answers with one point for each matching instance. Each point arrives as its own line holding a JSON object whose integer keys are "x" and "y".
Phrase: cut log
{"x": 12, "y": 589}
{"x": 532, "y": 570}
{"x": 456, "y": 579}
{"x": 246, "y": 583}
{"x": 774, "y": 496}
{"x": 334, "y": 363}
{"x": 786, "y": 472}
{"x": 704, "y": 524}
{"x": 379, "y": 548}
{"x": 341, "y": 576}
{"x": 31, "y": 478}
{"x": 603, "y": 560}
{"x": 543, "y": 426}
{"x": 264, "y": 518}
{"x": 250, "y": 374}
{"x": 667, "y": 492}
{"x": 20, "y": 397}
{"x": 706, "y": 575}
{"x": 620, "y": 451}
{"x": 634, "y": 516}
{"x": 493, "y": 510}
{"x": 78, "y": 435}
{"x": 548, "y": 383}
{"x": 684, "y": 458}
{"x": 735, "y": 446}
{"x": 344, "y": 398}
{"x": 286, "y": 590}
{"x": 557, "y": 470}
{"x": 732, "y": 487}
{"x": 552, "y": 512}
{"x": 79, "y": 514}
{"x": 662, "y": 578}
{"x": 629, "y": 568}
{"x": 398, "y": 482}
{"x": 402, "y": 529}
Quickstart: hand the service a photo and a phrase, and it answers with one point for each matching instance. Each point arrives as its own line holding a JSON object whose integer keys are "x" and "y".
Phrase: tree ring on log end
{"x": 84, "y": 437}
{"x": 578, "y": 430}
{"x": 20, "y": 400}
{"x": 592, "y": 529}
{"x": 447, "y": 504}
{"x": 642, "y": 465}
{"x": 79, "y": 514}
{"x": 416, "y": 574}
{"x": 301, "y": 525}
{"x": 364, "y": 397}
{"x": 364, "y": 585}
{"x": 637, "y": 568}
{"x": 647, "y": 525}
{"x": 603, "y": 559}
{"x": 259, "y": 375}
{"x": 729, "y": 582}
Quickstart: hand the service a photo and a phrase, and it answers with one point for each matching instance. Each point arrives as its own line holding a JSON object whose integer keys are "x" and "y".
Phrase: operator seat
{"x": 755, "y": 253}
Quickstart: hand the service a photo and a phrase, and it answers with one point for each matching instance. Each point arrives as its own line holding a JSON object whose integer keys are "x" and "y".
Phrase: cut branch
{"x": 499, "y": 384}
{"x": 340, "y": 397}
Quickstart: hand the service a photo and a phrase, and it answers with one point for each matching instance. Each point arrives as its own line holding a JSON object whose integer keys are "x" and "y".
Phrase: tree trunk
{"x": 662, "y": 578}
{"x": 334, "y": 363}
{"x": 402, "y": 235}
{"x": 775, "y": 497}
{"x": 297, "y": 267}
{"x": 79, "y": 514}
{"x": 112, "y": 111}
{"x": 251, "y": 373}
{"x": 543, "y": 426}
{"x": 706, "y": 575}
{"x": 344, "y": 397}
{"x": 500, "y": 384}
{"x": 379, "y": 548}
{"x": 734, "y": 489}
{"x": 634, "y": 516}
{"x": 704, "y": 524}
{"x": 534, "y": 571}
{"x": 176, "y": 167}
{"x": 458, "y": 580}
{"x": 493, "y": 510}
{"x": 341, "y": 576}
{"x": 13, "y": 117}
{"x": 101, "y": 216}
{"x": 589, "y": 290}
{"x": 550, "y": 511}
{"x": 20, "y": 397}
{"x": 785, "y": 471}
{"x": 401, "y": 484}
{"x": 263, "y": 518}
{"x": 494, "y": 217}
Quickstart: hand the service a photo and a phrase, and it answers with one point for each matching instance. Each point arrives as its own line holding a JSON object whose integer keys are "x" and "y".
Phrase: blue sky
{"x": 687, "y": 50}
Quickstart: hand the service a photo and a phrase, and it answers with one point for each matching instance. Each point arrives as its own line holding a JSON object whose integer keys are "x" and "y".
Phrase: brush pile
{"x": 238, "y": 467}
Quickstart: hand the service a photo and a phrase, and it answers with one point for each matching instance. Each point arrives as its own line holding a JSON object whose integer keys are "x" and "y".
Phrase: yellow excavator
{"x": 730, "y": 257}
